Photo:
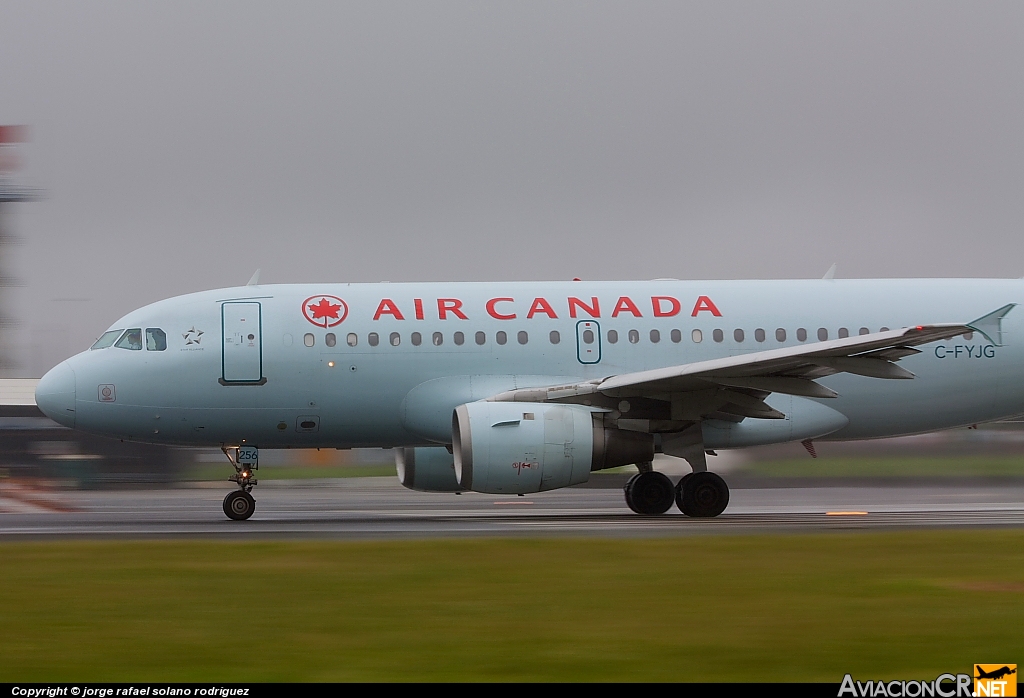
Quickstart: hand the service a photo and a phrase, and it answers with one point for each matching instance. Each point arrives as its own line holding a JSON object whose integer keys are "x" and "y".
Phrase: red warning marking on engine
{"x": 522, "y": 465}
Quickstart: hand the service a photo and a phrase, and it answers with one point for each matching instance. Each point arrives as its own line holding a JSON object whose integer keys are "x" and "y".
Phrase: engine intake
{"x": 523, "y": 447}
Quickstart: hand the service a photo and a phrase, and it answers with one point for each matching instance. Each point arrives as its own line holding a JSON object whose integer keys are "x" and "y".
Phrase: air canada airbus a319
{"x": 520, "y": 387}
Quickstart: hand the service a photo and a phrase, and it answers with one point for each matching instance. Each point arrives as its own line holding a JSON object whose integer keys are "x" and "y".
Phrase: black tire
{"x": 239, "y": 505}
{"x": 680, "y": 486}
{"x": 705, "y": 495}
{"x": 649, "y": 493}
{"x": 627, "y": 490}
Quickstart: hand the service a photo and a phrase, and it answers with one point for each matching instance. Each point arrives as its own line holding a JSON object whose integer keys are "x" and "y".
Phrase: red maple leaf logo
{"x": 327, "y": 311}
{"x": 324, "y": 309}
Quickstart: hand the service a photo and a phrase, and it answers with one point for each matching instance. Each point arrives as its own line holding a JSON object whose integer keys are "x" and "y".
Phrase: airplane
{"x": 995, "y": 674}
{"x": 522, "y": 387}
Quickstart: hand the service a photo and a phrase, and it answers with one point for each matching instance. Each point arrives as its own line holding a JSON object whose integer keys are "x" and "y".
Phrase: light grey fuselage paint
{"x": 364, "y": 393}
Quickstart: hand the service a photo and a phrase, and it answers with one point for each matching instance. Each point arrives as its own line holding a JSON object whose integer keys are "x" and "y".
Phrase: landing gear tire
{"x": 239, "y": 505}
{"x": 702, "y": 495}
{"x": 649, "y": 493}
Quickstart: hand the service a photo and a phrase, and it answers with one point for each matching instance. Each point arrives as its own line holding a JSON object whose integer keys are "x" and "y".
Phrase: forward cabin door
{"x": 242, "y": 344}
{"x": 588, "y": 342}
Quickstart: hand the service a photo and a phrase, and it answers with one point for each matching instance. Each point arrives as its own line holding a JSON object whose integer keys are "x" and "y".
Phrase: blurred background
{"x": 159, "y": 149}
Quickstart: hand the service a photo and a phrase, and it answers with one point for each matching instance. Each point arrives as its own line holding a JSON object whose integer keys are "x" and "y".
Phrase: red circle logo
{"x": 324, "y": 311}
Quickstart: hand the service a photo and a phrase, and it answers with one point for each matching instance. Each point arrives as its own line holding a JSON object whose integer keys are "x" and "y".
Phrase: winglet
{"x": 991, "y": 325}
{"x": 255, "y": 280}
{"x": 831, "y": 273}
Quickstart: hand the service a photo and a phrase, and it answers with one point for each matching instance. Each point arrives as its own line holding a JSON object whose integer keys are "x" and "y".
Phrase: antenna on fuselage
{"x": 255, "y": 280}
{"x": 831, "y": 273}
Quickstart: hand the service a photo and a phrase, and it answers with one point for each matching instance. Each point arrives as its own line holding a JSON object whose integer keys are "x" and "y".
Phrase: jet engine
{"x": 523, "y": 447}
{"x": 427, "y": 469}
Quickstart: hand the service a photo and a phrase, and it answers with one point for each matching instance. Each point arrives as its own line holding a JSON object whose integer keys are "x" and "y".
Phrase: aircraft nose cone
{"x": 55, "y": 394}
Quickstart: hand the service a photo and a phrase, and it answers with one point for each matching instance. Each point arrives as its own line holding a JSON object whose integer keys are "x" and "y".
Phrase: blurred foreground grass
{"x": 734, "y": 608}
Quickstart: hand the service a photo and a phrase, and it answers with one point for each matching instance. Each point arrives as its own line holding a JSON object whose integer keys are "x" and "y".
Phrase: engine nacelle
{"x": 523, "y": 447}
{"x": 427, "y": 469}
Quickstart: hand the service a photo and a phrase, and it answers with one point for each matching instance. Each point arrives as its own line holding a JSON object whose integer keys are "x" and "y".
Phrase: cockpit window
{"x": 107, "y": 339}
{"x": 131, "y": 339}
{"x": 156, "y": 339}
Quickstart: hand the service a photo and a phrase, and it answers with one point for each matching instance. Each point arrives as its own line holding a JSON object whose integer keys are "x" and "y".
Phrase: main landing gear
{"x": 239, "y": 504}
{"x": 700, "y": 495}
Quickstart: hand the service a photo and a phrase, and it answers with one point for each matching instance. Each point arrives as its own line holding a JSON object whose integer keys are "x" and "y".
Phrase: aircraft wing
{"x": 734, "y": 387}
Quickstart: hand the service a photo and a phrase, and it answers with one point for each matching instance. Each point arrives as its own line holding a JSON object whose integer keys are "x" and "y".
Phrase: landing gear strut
{"x": 649, "y": 492}
{"x": 239, "y": 504}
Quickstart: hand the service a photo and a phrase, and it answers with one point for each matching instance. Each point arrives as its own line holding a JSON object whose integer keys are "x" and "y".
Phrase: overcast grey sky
{"x": 185, "y": 144}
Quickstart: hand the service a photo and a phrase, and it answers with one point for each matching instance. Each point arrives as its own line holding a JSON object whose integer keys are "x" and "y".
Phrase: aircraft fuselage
{"x": 334, "y": 365}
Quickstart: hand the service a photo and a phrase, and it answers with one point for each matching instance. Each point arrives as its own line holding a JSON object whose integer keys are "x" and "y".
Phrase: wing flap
{"x": 734, "y": 387}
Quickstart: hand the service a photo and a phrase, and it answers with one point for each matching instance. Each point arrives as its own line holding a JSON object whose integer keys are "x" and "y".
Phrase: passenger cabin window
{"x": 822, "y": 334}
{"x": 737, "y": 335}
{"x": 107, "y": 339}
{"x": 613, "y": 336}
{"x": 780, "y": 335}
{"x": 843, "y": 333}
{"x": 655, "y": 336}
{"x": 416, "y": 338}
{"x": 634, "y": 337}
{"x": 556, "y": 338}
{"x": 500, "y": 337}
{"x": 308, "y": 339}
{"x": 331, "y": 339}
{"x": 352, "y": 339}
{"x": 373, "y": 339}
{"x": 801, "y": 334}
{"x": 522, "y": 337}
{"x": 676, "y": 336}
{"x": 718, "y": 335}
{"x": 697, "y": 336}
{"x": 437, "y": 339}
{"x": 459, "y": 339}
{"x": 395, "y": 339}
{"x": 759, "y": 334}
{"x": 156, "y": 339}
{"x": 863, "y": 330}
{"x": 131, "y": 339}
{"x": 884, "y": 329}
{"x": 480, "y": 338}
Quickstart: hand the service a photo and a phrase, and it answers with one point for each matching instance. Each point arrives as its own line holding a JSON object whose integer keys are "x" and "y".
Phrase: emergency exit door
{"x": 242, "y": 344}
{"x": 588, "y": 342}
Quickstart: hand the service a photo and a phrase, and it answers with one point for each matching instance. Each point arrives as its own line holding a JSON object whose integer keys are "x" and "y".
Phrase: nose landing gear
{"x": 239, "y": 505}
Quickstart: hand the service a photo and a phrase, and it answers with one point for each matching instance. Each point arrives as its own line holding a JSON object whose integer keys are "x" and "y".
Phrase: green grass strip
{"x": 713, "y": 608}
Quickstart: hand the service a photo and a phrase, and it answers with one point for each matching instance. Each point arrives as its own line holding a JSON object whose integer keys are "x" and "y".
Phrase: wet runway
{"x": 381, "y": 508}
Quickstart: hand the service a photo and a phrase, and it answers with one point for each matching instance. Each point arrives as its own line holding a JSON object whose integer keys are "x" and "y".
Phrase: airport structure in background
{"x": 32, "y": 445}
{"x": 11, "y": 193}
